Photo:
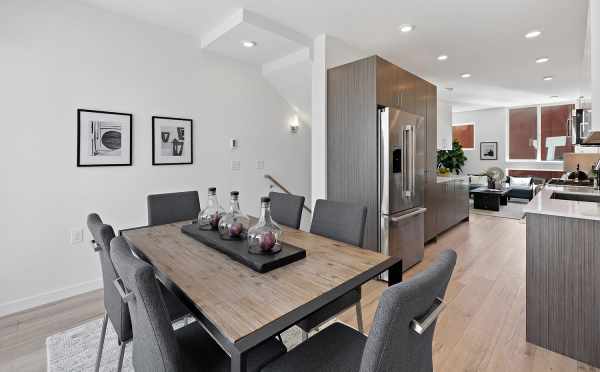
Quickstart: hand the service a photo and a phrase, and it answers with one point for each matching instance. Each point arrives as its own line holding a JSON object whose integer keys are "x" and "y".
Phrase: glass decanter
{"x": 211, "y": 215}
{"x": 263, "y": 238}
{"x": 234, "y": 223}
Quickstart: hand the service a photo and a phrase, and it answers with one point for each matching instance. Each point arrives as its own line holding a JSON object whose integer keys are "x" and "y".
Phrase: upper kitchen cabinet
{"x": 396, "y": 87}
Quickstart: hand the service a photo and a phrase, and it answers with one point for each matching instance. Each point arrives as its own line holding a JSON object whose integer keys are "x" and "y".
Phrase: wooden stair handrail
{"x": 284, "y": 189}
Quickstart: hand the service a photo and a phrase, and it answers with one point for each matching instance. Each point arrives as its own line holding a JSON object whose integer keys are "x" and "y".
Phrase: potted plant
{"x": 452, "y": 160}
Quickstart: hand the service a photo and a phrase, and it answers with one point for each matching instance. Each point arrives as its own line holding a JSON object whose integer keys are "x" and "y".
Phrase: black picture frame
{"x": 155, "y": 161}
{"x": 79, "y": 139}
{"x": 494, "y": 148}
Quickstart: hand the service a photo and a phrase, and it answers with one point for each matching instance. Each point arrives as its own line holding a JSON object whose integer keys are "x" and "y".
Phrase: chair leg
{"x": 121, "y": 355}
{"x": 304, "y": 335}
{"x": 101, "y": 345}
{"x": 359, "y": 318}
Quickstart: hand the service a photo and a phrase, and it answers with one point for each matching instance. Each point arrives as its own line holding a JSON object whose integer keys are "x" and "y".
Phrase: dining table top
{"x": 240, "y": 301}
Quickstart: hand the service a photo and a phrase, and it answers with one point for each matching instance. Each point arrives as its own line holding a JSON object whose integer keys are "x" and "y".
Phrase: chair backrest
{"x": 172, "y": 207}
{"x": 392, "y": 345}
{"x": 340, "y": 221}
{"x": 155, "y": 346}
{"x": 116, "y": 309}
{"x": 286, "y": 209}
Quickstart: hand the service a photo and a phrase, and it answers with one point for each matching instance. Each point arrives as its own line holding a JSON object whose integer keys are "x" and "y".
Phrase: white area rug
{"x": 75, "y": 350}
{"x": 513, "y": 210}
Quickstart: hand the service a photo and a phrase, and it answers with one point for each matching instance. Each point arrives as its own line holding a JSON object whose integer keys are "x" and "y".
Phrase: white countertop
{"x": 543, "y": 204}
{"x": 450, "y": 178}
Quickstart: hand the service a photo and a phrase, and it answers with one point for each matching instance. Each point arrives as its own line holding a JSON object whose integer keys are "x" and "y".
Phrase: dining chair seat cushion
{"x": 330, "y": 310}
{"x": 336, "y": 348}
{"x": 201, "y": 352}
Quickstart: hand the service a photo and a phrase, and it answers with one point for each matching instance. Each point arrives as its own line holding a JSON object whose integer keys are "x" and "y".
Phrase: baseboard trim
{"x": 27, "y": 303}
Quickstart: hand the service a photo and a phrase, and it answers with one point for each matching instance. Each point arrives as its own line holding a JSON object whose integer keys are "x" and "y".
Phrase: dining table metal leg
{"x": 395, "y": 274}
{"x": 238, "y": 362}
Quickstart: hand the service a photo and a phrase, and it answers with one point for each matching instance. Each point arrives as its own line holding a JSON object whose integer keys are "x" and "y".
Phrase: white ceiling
{"x": 484, "y": 38}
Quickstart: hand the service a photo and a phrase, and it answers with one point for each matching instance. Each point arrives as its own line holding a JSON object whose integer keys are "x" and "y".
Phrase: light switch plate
{"x": 234, "y": 143}
{"x": 235, "y": 165}
{"x": 76, "y": 236}
{"x": 260, "y": 164}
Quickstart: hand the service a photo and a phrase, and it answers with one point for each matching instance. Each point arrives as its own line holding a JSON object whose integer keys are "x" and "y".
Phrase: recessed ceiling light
{"x": 406, "y": 28}
{"x": 465, "y": 75}
{"x": 443, "y": 57}
{"x": 542, "y": 60}
{"x": 548, "y": 78}
{"x": 533, "y": 34}
{"x": 248, "y": 43}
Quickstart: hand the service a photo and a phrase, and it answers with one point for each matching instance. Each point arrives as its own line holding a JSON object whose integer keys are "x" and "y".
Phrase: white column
{"x": 319, "y": 120}
{"x": 595, "y": 46}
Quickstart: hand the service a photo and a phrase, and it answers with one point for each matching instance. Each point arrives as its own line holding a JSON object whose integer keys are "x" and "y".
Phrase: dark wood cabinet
{"x": 354, "y": 92}
{"x": 447, "y": 205}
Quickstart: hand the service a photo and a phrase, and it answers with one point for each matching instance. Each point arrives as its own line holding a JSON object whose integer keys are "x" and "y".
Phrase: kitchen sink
{"x": 576, "y": 197}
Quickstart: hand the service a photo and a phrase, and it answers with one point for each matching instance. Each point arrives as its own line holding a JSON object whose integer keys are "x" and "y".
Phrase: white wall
{"x": 62, "y": 55}
{"x": 444, "y": 124}
{"x": 490, "y": 126}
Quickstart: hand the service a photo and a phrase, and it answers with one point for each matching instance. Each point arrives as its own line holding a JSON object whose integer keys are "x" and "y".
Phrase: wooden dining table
{"x": 241, "y": 308}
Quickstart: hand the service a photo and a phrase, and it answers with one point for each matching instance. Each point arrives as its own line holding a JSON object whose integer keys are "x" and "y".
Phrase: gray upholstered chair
{"x": 400, "y": 339}
{"x": 115, "y": 309}
{"x": 344, "y": 222}
{"x": 172, "y": 207}
{"x": 156, "y": 346}
{"x": 286, "y": 209}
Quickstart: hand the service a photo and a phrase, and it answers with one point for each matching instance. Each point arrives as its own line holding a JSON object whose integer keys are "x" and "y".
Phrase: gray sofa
{"x": 521, "y": 187}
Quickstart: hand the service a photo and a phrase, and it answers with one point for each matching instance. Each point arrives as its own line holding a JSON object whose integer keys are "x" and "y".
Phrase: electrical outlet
{"x": 235, "y": 165}
{"x": 76, "y": 236}
{"x": 260, "y": 164}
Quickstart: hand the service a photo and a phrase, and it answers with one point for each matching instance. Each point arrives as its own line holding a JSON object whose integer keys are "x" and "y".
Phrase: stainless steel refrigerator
{"x": 401, "y": 184}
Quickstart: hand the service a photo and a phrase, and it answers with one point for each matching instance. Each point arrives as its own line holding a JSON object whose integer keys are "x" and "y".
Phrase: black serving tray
{"x": 238, "y": 250}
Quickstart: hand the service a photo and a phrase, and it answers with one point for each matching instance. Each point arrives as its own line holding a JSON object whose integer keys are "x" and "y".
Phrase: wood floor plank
{"x": 481, "y": 329}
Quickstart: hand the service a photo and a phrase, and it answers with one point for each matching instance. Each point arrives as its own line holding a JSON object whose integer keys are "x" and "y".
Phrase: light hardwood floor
{"x": 482, "y": 328}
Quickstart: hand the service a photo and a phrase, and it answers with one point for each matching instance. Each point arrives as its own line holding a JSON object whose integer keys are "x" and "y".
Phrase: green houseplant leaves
{"x": 453, "y": 159}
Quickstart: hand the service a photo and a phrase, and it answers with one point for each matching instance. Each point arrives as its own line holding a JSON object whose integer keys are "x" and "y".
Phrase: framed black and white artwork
{"x": 488, "y": 151}
{"x": 104, "y": 138}
{"x": 172, "y": 141}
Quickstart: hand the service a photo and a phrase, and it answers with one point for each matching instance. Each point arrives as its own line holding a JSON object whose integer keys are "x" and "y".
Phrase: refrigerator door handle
{"x": 409, "y": 148}
{"x": 384, "y": 159}
{"x": 405, "y": 160}
{"x": 413, "y": 155}
{"x": 408, "y": 215}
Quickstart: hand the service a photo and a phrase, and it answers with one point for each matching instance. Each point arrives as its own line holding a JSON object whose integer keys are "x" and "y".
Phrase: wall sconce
{"x": 294, "y": 124}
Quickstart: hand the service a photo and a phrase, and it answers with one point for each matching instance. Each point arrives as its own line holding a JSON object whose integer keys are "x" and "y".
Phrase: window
{"x": 464, "y": 134}
{"x": 522, "y": 133}
{"x": 555, "y": 139}
{"x": 539, "y": 133}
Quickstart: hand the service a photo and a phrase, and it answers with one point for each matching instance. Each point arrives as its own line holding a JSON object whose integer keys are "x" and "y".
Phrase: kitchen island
{"x": 563, "y": 272}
